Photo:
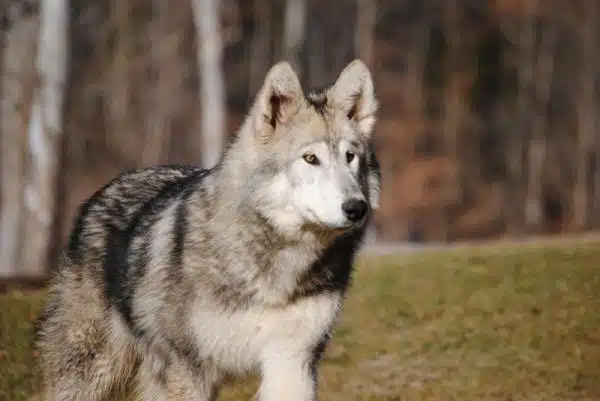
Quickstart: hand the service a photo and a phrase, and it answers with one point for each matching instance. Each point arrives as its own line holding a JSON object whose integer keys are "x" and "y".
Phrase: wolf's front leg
{"x": 176, "y": 381}
{"x": 288, "y": 375}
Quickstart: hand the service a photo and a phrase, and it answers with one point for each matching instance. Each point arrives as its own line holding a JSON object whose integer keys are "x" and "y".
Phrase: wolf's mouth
{"x": 351, "y": 225}
{"x": 322, "y": 227}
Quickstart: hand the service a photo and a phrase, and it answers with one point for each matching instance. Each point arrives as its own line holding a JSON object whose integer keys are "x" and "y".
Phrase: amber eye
{"x": 310, "y": 158}
{"x": 350, "y": 156}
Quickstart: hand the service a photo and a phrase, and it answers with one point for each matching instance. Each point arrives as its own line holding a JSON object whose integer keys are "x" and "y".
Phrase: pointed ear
{"x": 278, "y": 100}
{"x": 353, "y": 92}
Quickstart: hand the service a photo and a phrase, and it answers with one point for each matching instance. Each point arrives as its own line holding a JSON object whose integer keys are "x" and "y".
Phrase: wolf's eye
{"x": 310, "y": 158}
{"x": 350, "y": 156}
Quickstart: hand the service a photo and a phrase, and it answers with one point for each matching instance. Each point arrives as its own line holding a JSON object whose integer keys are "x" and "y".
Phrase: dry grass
{"x": 511, "y": 325}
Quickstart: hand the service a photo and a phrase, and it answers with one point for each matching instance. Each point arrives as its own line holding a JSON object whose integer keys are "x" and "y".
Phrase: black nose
{"x": 355, "y": 209}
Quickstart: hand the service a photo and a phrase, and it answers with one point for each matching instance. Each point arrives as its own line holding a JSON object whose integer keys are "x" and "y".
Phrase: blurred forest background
{"x": 487, "y": 128}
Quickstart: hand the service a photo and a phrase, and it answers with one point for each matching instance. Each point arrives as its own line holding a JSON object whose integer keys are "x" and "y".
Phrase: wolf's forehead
{"x": 327, "y": 129}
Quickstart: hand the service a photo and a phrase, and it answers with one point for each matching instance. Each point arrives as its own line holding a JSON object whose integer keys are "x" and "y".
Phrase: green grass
{"x": 465, "y": 325}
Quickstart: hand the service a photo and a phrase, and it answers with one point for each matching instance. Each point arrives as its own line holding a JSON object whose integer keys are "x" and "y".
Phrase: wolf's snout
{"x": 355, "y": 209}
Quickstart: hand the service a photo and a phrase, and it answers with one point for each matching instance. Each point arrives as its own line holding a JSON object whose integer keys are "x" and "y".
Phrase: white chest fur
{"x": 241, "y": 340}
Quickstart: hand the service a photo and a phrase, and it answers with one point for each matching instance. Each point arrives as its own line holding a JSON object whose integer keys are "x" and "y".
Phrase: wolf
{"x": 176, "y": 278}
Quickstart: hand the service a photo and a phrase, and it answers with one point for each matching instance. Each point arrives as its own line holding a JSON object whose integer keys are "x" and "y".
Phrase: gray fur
{"x": 178, "y": 277}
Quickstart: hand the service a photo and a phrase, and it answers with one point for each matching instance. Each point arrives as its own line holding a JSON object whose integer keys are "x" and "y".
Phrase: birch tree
{"x": 44, "y": 130}
{"x": 16, "y": 87}
{"x": 212, "y": 84}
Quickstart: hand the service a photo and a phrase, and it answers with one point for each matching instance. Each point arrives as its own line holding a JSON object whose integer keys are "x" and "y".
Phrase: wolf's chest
{"x": 240, "y": 339}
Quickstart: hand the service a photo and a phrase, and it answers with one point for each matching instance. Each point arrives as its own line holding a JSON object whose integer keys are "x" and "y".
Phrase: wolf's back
{"x": 117, "y": 205}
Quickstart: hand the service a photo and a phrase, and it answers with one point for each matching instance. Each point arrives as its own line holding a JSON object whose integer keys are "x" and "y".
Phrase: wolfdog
{"x": 177, "y": 278}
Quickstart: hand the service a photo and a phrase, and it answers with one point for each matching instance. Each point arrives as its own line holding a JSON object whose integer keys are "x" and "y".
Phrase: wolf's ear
{"x": 278, "y": 99}
{"x": 354, "y": 93}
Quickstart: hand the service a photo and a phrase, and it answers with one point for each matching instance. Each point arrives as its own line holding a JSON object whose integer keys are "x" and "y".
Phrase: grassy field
{"x": 503, "y": 324}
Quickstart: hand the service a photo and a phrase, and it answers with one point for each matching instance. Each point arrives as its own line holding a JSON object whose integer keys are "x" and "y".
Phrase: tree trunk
{"x": 212, "y": 91}
{"x": 538, "y": 143}
{"x": 366, "y": 18}
{"x": 586, "y": 115}
{"x": 161, "y": 49}
{"x": 515, "y": 155}
{"x": 413, "y": 89}
{"x": 596, "y": 204}
{"x": 364, "y": 42}
{"x": 119, "y": 88}
{"x": 44, "y": 133}
{"x": 260, "y": 55}
{"x": 16, "y": 86}
{"x": 295, "y": 18}
{"x": 453, "y": 113}
{"x": 315, "y": 71}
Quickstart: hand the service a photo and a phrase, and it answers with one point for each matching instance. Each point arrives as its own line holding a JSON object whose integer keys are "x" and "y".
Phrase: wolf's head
{"x": 312, "y": 162}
